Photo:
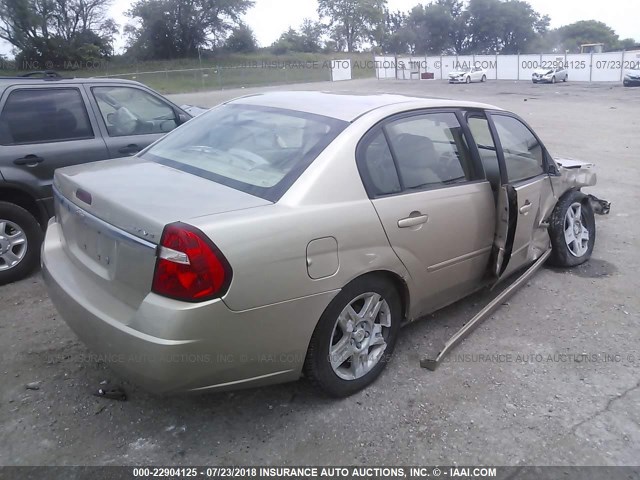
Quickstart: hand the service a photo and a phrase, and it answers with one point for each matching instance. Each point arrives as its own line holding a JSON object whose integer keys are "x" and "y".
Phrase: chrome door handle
{"x": 525, "y": 208}
{"x": 415, "y": 219}
{"x": 29, "y": 160}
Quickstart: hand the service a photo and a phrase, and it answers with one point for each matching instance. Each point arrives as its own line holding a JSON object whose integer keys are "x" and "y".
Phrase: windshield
{"x": 258, "y": 150}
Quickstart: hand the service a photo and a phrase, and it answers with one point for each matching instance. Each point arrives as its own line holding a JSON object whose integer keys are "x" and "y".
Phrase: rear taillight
{"x": 189, "y": 266}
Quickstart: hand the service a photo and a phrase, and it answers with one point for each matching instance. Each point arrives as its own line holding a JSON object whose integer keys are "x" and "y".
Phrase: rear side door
{"x": 131, "y": 117}
{"x": 45, "y": 128}
{"x": 436, "y": 208}
{"x": 522, "y": 235}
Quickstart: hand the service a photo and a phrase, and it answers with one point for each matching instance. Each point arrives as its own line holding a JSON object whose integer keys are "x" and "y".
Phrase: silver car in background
{"x": 294, "y": 233}
{"x": 550, "y": 75}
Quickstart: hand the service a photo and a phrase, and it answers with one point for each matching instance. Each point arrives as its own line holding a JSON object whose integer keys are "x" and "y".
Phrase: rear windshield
{"x": 258, "y": 150}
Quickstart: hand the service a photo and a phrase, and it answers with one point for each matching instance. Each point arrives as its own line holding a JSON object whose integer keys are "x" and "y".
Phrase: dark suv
{"x": 52, "y": 122}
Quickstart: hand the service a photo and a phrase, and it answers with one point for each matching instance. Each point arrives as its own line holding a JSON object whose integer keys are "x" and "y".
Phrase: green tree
{"x": 503, "y": 26}
{"x": 587, "y": 31}
{"x": 433, "y": 26}
{"x": 241, "y": 40}
{"x": 308, "y": 39}
{"x": 397, "y": 36}
{"x": 353, "y": 22}
{"x": 57, "y": 30}
{"x": 289, "y": 41}
{"x": 310, "y": 36}
{"x": 178, "y": 28}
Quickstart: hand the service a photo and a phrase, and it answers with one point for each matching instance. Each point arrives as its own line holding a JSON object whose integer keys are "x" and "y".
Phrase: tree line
{"x": 81, "y": 30}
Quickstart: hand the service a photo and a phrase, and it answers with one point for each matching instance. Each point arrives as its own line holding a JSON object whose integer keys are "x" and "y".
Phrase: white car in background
{"x": 550, "y": 75}
{"x": 473, "y": 74}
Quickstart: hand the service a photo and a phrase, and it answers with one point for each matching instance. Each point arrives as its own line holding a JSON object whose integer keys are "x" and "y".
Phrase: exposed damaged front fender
{"x": 575, "y": 174}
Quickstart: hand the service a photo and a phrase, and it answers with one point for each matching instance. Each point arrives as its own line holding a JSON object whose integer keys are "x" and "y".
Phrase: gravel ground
{"x": 539, "y": 402}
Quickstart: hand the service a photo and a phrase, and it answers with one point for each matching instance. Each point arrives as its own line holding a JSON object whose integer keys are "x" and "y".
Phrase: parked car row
{"x": 476, "y": 74}
{"x": 48, "y": 122}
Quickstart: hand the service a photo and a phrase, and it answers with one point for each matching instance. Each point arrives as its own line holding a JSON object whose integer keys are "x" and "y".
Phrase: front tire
{"x": 355, "y": 337}
{"x": 20, "y": 240}
{"x": 572, "y": 230}
{"x": 484, "y": 78}
{"x": 553, "y": 79}
{"x": 468, "y": 80}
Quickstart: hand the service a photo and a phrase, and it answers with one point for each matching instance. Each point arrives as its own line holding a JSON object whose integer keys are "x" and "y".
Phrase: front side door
{"x": 525, "y": 181}
{"x": 437, "y": 211}
{"x": 42, "y": 129}
{"x": 131, "y": 118}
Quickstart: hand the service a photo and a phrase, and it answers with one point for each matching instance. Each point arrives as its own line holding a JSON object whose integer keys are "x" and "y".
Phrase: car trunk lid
{"x": 112, "y": 215}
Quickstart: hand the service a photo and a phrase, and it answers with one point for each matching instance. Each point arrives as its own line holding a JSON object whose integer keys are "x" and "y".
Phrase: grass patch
{"x": 225, "y": 71}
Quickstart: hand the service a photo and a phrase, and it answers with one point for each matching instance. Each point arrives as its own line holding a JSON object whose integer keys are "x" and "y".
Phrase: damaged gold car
{"x": 294, "y": 233}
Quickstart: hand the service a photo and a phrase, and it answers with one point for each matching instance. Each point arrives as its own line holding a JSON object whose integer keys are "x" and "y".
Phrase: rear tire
{"x": 572, "y": 230}
{"x": 20, "y": 240}
{"x": 484, "y": 78}
{"x": 355, "y": 337}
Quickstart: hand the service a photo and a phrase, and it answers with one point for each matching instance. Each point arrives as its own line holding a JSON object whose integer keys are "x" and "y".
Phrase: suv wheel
{"x": 20, "y": 240}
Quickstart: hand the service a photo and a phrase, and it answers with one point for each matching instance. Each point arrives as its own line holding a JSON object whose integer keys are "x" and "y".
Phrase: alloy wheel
{"x": 576, "y": 234}
{"x": 358, "y": 341}
{"x": 13, "y": 244}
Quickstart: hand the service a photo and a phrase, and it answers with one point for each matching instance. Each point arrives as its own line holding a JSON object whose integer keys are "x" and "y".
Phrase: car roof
{"x": 9, "y": 81}
{"x": 348, "y": 107}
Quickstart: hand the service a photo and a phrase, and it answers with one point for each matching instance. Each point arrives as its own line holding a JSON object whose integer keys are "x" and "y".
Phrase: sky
{"x": 269, "y": 18}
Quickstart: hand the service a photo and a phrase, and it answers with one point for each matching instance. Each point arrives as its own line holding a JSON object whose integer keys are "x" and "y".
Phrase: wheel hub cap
{"x": 576, "y": 235}
{"x": 4, "y": 245}
{"x": 13, "y": 244}
{"x": 358, "y": 339}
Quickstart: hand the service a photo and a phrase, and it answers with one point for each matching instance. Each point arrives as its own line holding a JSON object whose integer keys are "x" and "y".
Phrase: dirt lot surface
{"x": 552, "y": 378}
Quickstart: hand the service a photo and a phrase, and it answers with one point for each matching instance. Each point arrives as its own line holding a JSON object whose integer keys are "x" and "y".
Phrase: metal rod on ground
{"x": 432, "y": 363}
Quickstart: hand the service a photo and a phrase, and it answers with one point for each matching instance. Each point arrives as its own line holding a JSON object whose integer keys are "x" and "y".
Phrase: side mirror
{"x": 183, "y": 118}
{"x": 552, "y": 169}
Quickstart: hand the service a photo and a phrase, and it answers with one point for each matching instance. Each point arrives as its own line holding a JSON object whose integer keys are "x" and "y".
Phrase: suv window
{"x": 44, "y": 115}
{"x": 522, "y": 152}
{"x": 377, "y": 167}
{"x": 430, "y": 150}
{"x": 131, "y": 111}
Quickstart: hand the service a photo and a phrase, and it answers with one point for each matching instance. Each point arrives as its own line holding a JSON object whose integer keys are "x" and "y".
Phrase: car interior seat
{"x": 417, "y": 160}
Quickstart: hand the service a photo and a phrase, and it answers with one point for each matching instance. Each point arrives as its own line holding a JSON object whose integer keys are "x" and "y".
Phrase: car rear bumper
{"x": 632, "y": 82}
{"x": 169, "y": 346}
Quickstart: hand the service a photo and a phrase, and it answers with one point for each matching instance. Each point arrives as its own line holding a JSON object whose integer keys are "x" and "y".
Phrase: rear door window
{"x": 377, "y": 167}
{"x": 258, "y": 150}
{"x": 40, "y": 115}
{"x": 430, "y": 151}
